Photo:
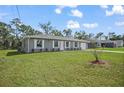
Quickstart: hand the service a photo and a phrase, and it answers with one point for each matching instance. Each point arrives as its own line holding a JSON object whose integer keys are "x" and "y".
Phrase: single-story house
{"x": 36, "y": 43}
{"x": 106, "y": 43}
{"x": 119, "y": 43}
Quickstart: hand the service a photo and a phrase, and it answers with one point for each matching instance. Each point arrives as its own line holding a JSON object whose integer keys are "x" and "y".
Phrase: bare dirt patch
{"x": 99, "y": 62}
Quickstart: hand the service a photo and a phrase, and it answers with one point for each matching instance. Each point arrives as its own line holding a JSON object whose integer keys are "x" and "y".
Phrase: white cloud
{"x": 76, "y": 13}
{"x": 90, "y": 25}
{"x": 121, "y": 23}
{"x": 104, "y": 6}
{"x": 116, "y": 9}
{"x": 3, "y": 15}
{"x": 73, "y": 24}
{"x": 108, "y": 13}
{"x": 59, "y": 9}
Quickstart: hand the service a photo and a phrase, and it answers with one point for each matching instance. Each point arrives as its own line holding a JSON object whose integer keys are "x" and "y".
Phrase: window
{"x": 76, "y": 44}
{"x": 67, "y": 44}
{"x": 55, "y": 43}
{"x": 39, "y": 43}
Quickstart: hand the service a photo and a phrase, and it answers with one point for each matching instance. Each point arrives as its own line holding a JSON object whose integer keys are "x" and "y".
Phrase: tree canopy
{"x": 12, "y": 33}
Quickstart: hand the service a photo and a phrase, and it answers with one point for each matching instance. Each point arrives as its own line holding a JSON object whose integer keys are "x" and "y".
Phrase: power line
{"x": 18, "y": 12}
{"x": 12, "y": 11}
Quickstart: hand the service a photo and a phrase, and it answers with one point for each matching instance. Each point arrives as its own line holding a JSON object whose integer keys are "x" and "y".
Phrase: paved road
{"x": 107, "y": 51}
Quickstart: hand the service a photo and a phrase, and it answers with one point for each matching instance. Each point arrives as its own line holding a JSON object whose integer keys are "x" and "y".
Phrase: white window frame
{"x": 28, "y": 45}
{"x": 77, "y": 44}
{"x": 35, "y": 43}
{"x": 41, "y": 43}
{"x": 54, "y": 44}
{"x": 68, "y": 44}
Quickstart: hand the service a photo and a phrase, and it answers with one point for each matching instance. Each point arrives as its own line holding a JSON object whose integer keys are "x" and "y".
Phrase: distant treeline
{"x": 11, "y": 34}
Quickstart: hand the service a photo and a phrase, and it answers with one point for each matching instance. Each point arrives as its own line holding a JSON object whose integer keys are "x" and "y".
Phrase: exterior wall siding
{"x": 48, "y": 45}
{"x": 61, "y": 45}
{"x": 83, "y": 46}
{"x": 25, "y": 47}
{"x": 119, "y": 43}
{"x": 31, "y": 44}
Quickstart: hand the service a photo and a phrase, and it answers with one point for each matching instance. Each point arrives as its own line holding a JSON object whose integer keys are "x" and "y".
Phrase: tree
{"x": 123, "y": 37}
{"x": 99, "y": 35}
{"x": 37, "y": 32}
{"x": 5, "y": 32}
{"x": 90, "y": 35}
{"x": 81, "y": 35}
{"x": 111, "y": 34}
{"x": 16, "y": 23}
{"x": 77, "y": 35}
{"x": 96, "y": 55}
{"x": 6, "y": 44}
{"x": 106, "y": 37}
{"x": 55, "y": 32}
{"x": 67, "y": 32}
{"x": 46, "y": 27}
{"x": 20, "y": 30}
{"x": 118, "y": 37}
{"x": 28, "y": 30}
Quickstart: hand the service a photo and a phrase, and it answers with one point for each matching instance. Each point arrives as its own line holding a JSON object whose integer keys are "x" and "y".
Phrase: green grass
{"x": 112, "y": 49}
{"x": 70, "y": 68}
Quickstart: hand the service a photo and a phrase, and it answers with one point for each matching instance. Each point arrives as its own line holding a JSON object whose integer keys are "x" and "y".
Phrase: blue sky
{"x": 90, "y": 18}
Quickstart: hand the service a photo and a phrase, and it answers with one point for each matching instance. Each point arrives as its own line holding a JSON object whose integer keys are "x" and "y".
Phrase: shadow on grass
{"x": 13, "y": 53}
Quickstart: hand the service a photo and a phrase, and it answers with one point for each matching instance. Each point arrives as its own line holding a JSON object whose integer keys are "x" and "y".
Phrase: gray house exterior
{"x": 119, "y": 43}
{"x": 37, "y": 43}
{"x": 106, "y": 43}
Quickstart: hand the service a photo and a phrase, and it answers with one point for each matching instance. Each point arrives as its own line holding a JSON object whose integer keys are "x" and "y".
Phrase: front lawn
{"x": 68, "y": 68}
{"x": 112, "y": 49}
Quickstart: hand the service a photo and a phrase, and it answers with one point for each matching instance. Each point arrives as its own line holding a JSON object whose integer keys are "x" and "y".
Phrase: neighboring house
{"x": 36, "y": 43}
{"x": 106, "y": 43}
{"x": 119, "y": 43}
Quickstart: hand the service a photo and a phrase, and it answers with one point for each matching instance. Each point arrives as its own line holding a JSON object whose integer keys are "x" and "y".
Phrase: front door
{"x": 83, "y": 46}
{"x": 61, "y": 45}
